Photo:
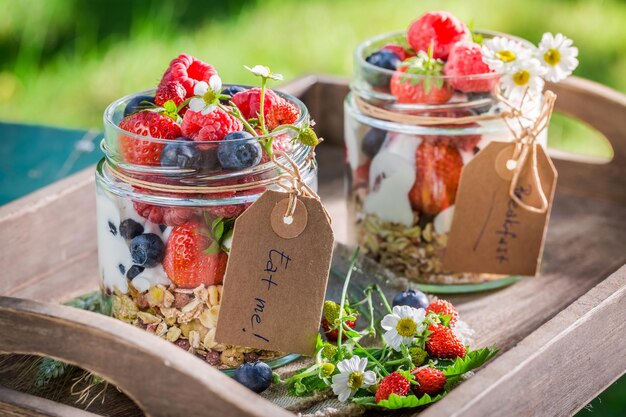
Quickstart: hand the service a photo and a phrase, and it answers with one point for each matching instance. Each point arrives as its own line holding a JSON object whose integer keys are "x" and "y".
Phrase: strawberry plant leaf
{"x": 471, "y": 361}
{"x": 395, "y": 402}
{"x": 213, "y": 248}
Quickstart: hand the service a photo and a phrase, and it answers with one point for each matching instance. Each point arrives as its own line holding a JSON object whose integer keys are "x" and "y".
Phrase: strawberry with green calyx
{"x": 429, "y": 381}
{"x": 419, "y": 80}
{"x": 442, "y": 343}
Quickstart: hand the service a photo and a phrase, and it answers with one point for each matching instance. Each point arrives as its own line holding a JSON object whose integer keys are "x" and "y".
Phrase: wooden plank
{"x": 557, "y": 369}
{"x": 19, "y": 404}
{"x": 161, "y": 378}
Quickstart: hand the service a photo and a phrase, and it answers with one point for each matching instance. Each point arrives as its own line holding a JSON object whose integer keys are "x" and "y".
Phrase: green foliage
{"x": 471, "y": 361}
{"x": 396, "y": 402}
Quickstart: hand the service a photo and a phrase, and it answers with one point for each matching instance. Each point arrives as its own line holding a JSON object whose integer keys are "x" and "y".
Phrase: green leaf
{"x": 307, "y": 386}
{"x": 471, "y": 361}
{"x": 364, "y": 400}
{"x": 395, "y": 402}
{"x": 170, "y": 106}
{"x": 213, "y": 248}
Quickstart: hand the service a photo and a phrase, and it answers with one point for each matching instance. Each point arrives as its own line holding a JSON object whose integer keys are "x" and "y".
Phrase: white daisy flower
{"x": 503, "y": 53}
{"x": 206, "y": 96}
{"x": 557, "y": 56}
{"x": 352, "y": 376}
{"x": 523, "y": 78}
{"x": 402, "y": 325}
{"x": 463, "y": 332}
{"x": 263, "y": 71}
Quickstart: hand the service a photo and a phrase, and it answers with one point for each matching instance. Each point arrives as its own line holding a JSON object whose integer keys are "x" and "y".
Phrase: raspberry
{"x": 149, "y": 124}
{"x": 442, "y": 29}
{"x": 444, "y": 308}
{"x": 170, "y": 216}
{"x": 249, "y": 101}
{"x": 188, "y": 71}
{"x": 172, "y": 90}
{"x": 430, "y": 381}
{"x": 397, "y": 49}
{"x": 281, "y": 113}
{"x": 465, "y": 60}
{"x": 211, "y": 127}
{"x": 393, "y": 383}
{"x": 443, "y": 344}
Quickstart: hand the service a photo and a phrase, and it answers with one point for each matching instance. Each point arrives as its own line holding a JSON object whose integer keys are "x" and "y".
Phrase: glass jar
{"x": 403, "y": 175}
{"x": 164, "y": 231}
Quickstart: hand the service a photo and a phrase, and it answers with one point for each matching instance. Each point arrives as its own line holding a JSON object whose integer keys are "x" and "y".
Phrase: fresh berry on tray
{"x": 329, "y": 321}
{"x": 256, "y": 376}
{"x": 411, "y": 298}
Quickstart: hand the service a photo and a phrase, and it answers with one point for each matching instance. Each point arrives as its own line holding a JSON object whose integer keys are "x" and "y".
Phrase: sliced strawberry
{"x": 187, "y": 263}
{"x": 437, "y": 172}
{"x": 149, "y": 124}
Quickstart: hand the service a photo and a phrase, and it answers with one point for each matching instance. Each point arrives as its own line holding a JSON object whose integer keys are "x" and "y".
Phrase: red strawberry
{"x": 393, "y": 383}
{"x": 149, "y": 124}
{"x": 430, "y": 381}
{"x": 281, "y": 113}
{"x": 362, "y": 174}
{"x": 419, "y": 80}
{"x": 466, "y": 60}
{"x": 172, "y": 90}
{"x": 443, "y": 344}
{"x": 437, "y": 174}
{"x": 210, "y": 127}
{"x": 186, "y": 263}
{"x": 248, "y": 102}
{"x": 188, "y": 71}
{"x": 464, "y": 142}
{"x": 445, "y": 308}
{"x": 331, "y": 314}
{"x": 441, "y": 29}
{"x": 398, "y": 50}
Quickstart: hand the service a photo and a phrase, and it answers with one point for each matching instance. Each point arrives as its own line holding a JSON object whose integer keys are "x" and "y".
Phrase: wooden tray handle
{"x": 604, "y": 109}
{"x": 160, "y": 377}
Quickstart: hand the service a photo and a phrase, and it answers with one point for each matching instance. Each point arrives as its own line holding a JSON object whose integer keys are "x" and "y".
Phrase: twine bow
{"x": 526, "y": 150}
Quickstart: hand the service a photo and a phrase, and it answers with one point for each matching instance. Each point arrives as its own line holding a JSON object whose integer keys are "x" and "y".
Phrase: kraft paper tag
{"x": 276, "y": 276}
{"x": 490, "y": 232}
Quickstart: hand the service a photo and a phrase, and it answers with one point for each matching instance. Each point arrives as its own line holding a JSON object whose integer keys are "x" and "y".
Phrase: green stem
{"x": 383, "y": 298}
{"x": 312, "y": 370}
{"x": 344, "y": 292}
{"x": 262, "y": 106}
{"x": 371, "y": 330}
{"x": 369, "y": 355}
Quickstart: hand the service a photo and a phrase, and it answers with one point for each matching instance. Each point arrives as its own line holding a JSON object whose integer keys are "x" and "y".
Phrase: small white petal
{"x": 196, "y": 104}
{"x": 278, "y": 77}
{"x": 390, "y": 321}
{"x": 369, "y": 378}
{"x": 200, "y": 88}
{"x": 362, "y": 365}
{"x": 344, "y": 395}
{"x": 341, "y": 379}
{"x": 208, "y": 109}
{"x": 393, "y": 339}
{"x": 215, "y": 82}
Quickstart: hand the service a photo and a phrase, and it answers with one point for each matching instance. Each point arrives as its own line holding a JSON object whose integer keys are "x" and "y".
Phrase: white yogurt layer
{"x": 392, "y": 174}
{"x": 114, "y": 250}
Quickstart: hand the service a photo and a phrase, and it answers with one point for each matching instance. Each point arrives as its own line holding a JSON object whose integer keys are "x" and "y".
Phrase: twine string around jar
{"x": 526, "y": 149}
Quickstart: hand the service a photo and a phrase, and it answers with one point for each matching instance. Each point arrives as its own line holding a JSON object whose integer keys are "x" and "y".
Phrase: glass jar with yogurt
{"x": 164, "y": 228}
{"x": 403, "y": 176}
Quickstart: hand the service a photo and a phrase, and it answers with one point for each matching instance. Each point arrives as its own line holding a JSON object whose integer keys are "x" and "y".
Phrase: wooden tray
{"x": 556, "y": 330}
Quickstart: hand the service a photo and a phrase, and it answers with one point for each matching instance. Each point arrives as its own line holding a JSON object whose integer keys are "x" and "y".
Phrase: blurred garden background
{"x": 63, "y": 61}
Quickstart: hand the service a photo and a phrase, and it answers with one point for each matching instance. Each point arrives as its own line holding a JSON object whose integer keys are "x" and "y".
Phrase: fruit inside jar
{"x": 403, "y": 172}
{"x": 182, "y": 162}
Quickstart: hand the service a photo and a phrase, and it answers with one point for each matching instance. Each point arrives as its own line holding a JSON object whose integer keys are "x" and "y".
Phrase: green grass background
{"x": 63, "y": 61}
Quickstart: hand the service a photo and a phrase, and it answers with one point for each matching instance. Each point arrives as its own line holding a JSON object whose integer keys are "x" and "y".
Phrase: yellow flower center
{"x": 406, "y": 327}
{"x": 552, "y": 56}
{"x": 506, "y": 56}
{"x": 355, "y": 380}
{"x": 328, "y": 369}
{"x": 209, "y": 97}
{"x": 521, "y": 77}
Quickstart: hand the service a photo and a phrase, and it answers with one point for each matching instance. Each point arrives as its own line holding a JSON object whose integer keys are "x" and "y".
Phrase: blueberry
{"x": 138, "y": 103}
{"x": 162, "y": 227}
{"x": 383, "y": 59}
{"x": 122, "y": 268}
{"x": 134, "y": 270}
{"x": 372, "y": 141}
{"x": 412, "y": 298}
{"x": 130, "y": 228}
{"x": 236, "y": 153}
{"x": 231, "y": 91}
{"x": 147, "y": 250}
{"x": 112, "y": 228}
{"x": 256, "y": 376}
{"x": 188, "y": 155}
{"x": 488, "y": 99}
